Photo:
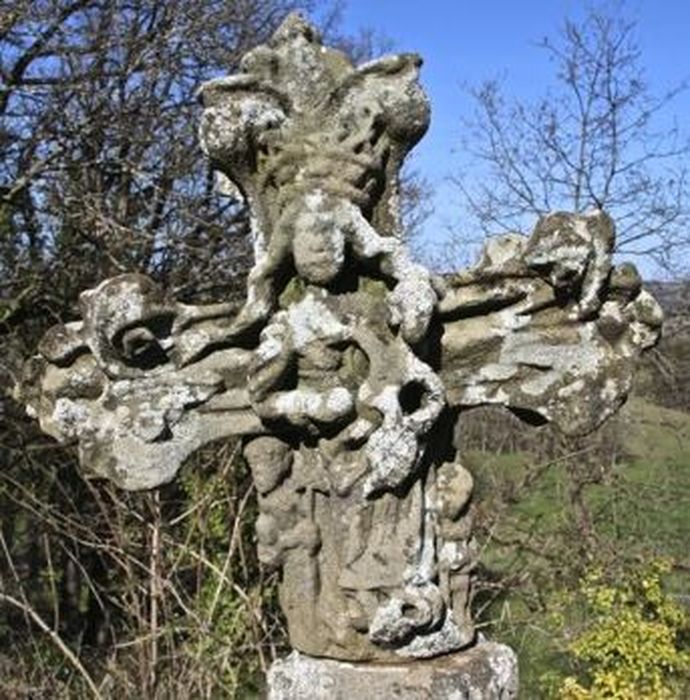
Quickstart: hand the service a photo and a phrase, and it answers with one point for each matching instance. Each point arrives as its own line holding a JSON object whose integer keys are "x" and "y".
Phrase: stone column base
{"x": 487, "y": 671}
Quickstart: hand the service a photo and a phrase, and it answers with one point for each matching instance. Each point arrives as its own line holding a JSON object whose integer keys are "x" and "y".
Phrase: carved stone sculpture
{"x": 349, "y": 364}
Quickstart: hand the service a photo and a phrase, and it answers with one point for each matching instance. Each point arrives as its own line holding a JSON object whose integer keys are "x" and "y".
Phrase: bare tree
{"x": 594, "y": 140}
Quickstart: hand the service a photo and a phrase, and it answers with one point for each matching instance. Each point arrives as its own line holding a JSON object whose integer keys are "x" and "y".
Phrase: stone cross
{"x": 347, "y": 368}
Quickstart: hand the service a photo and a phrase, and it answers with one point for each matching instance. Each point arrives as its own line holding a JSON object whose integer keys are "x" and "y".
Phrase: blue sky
{"x": 471, "y": 40}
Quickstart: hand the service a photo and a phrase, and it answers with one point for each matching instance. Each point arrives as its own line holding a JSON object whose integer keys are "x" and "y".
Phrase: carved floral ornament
{"x": 349, "y": 364}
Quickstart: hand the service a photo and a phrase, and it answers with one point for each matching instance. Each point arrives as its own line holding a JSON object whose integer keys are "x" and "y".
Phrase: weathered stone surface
{"x": 117, "y": 383}
{"x": 547, "y": 326}
{"x": 488, "y": 671}
{"x": 315, "y": 146}
{"x": 348, "y": 364}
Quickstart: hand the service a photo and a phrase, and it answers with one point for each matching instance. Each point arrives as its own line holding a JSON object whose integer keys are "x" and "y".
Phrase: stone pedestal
{"x": 487, "y": 671}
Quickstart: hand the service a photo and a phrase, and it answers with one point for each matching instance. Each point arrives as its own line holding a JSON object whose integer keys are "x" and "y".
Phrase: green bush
{"x": 632, "y": 643}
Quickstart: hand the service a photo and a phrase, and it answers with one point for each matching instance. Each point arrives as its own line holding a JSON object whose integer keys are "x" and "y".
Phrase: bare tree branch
{"x": 595, "y": 140}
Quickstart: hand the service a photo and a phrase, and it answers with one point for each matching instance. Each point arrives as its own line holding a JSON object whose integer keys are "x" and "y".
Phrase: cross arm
{"x": 547, "y": 326}
{"x": 120, "y": 384}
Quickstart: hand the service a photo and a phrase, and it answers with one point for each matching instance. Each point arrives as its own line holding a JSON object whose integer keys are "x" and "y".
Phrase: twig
{"x": 69, "y": 654}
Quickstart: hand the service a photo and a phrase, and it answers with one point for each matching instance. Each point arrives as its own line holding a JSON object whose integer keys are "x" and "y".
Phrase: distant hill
{"x": 674, "y": 297}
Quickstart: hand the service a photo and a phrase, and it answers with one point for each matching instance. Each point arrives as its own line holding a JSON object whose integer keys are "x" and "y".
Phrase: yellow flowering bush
{"x": 630, "y": 648}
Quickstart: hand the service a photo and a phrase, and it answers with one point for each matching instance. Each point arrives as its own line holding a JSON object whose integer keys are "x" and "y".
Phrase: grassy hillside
{"x": 540, "y": 528}
{"x": 655, "y": 510}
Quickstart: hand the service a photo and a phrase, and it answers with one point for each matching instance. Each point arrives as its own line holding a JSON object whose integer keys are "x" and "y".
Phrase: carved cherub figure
{"x": 315, "y": 239}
